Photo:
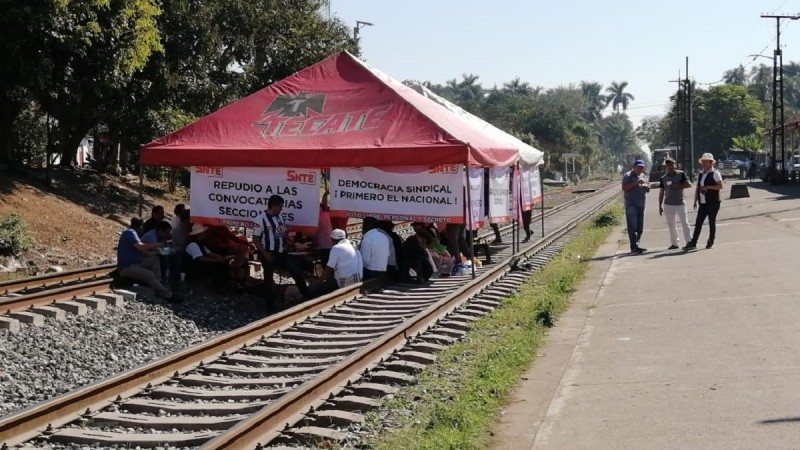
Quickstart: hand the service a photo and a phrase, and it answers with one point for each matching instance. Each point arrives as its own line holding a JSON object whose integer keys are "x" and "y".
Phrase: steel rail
{"x": 54, "y": 279}
{"x": 48, "y": 296}
{"x": 265, "y": 426}
{"x": 17, "y": 428}
{"x": 32, "y": 421}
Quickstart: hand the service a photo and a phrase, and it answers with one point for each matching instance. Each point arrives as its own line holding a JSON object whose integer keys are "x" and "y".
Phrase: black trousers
{"x": 526, "y": 222}
{"x": 289, "y": 264}
{"x": 706, "y": 210}
{"x": 370, "y": 274}
{"x": 457, "y": 241}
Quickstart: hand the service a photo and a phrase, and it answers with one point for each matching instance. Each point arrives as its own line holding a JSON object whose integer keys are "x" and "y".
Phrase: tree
{"x": 619, "y": 136}
{"x": 467, "y": 93}
{"x": 517, "y": 87}
{"x": 595, "y": 100}
{"x": 79, "y": 53}
{"x": 215, "y": 52}
{"x": 761, "y": 82}
{"x": 617, "y": 96}
{"x": 653, "y": 131}
{"x": 752, "y": 142}
{"x": 735, "y": 76}
{"x": 723, "y": 113}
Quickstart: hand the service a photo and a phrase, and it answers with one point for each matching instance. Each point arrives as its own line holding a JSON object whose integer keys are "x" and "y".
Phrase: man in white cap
{"x": 636, "y": 188}
{"x": 709, "y": 183}
{"x": 344, "y": 267}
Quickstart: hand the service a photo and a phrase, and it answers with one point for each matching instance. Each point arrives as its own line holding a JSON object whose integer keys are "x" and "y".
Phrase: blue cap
{"x": 639, "y": 163}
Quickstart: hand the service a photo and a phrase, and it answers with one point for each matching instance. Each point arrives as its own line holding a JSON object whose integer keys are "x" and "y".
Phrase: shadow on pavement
{"x": 781, "y": 420}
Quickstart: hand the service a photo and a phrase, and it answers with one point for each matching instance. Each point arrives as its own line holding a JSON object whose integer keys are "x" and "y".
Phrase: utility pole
{"x": 679, "y": 122}
{"x": 688, "y": 137}
{"x": 778, "y": 167}
{"x": 356, "y": 29}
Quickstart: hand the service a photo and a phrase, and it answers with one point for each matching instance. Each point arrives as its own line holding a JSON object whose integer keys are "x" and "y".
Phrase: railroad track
{"x": 240, "y": 389}
{"x": 29, "y": 300}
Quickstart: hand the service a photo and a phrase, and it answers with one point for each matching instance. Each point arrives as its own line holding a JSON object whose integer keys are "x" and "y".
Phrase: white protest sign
{"x": 536, "y": 185}
{"x": 476, "y": 197}
{"x": 525, "y": 190}
{"x": 400, "y": 193}
{"x": 235, "y": 196}
{"x": 500, "y": 194}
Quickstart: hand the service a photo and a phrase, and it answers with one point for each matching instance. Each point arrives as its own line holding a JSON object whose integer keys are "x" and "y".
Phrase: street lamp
{"x": 359, "y": 25}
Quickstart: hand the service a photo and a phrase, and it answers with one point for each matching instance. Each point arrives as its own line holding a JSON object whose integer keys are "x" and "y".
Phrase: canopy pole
{"x": 517, "y": 193}
{"x": 468, "y": 220}
{"x": 141, "y": 189}
{"x": 541, "y": 189}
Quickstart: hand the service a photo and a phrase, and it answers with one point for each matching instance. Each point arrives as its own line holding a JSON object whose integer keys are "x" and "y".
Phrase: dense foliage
{"x": 732, "y": 115}
{"x": 564, "y": 119}
{"x": 128, "y": 71}
{"x": 14, "y": 236}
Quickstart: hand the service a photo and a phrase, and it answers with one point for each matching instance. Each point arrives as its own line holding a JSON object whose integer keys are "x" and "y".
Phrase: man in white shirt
{"x": 375, "y": 249}
{"x": 344, "y": 266}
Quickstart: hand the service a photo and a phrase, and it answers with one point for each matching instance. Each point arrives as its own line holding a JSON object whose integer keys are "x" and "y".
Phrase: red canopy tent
{"x": 336, "y": 113}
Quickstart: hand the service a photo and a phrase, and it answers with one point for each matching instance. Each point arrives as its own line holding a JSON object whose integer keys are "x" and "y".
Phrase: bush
{"x": 609, "y": 218}
{"x": 14, "y": 235}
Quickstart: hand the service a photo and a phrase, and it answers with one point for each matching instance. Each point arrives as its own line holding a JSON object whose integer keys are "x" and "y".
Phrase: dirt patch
{"x": 74, "y": 222}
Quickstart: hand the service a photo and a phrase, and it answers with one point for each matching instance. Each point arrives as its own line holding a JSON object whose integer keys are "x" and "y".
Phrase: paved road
{"x": 674, "y": 350}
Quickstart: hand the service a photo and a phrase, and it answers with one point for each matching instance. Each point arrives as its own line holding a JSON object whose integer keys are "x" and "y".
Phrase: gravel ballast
{"x": 39, "y": 363}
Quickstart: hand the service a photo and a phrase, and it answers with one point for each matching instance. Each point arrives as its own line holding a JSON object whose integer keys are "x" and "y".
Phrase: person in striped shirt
{"x": 269, "y": 237}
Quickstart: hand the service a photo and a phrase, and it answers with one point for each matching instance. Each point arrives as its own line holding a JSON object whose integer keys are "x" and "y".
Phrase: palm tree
{"x": 760, "y": 82}
{"x": 467, "y": 93}
{"x": 735, "y": 76}
{"x": 517, "y": 87}
{"x": 595, "y": 101}
{"x": 617, "y": 96}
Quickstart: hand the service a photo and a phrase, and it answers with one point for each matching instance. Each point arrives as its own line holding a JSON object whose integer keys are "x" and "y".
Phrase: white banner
{"x": 536, "y": 185}
{"x": 500, "y": 205}
{"x": 235, "y": 196}
{"x": 476, "y": 197}
{"x": 525, "y": 190}
{"x": 399, "y": 193}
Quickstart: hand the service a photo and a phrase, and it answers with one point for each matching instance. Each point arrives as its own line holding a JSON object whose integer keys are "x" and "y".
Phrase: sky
{"x": 562, "y": 42}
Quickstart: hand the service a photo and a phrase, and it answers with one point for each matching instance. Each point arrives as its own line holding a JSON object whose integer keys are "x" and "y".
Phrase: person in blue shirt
{"x": 636, "y": 188}
{"x": 170, "y": 263}
{"x": 136, "y": 261}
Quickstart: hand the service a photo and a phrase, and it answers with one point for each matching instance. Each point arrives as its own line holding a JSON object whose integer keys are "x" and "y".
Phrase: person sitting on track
{"x": 156, "y": 215}
{"x": 203, "y": 263}
{"x": 376, "y": 249}
{"x": 397, "y": 245}
{"x": 134, "y": 262}
{"x": 344, "y": 266}
{"x": 178, "y": 210}
{"x": 168, "y": 262}
{"x": 222, "y": 241}
{"x": 416, "y": 256}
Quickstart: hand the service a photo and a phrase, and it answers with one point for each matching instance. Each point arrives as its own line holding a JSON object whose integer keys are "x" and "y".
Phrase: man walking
{"x": 709, "y": 183}
{"x": 636, "y": 189}
{"x": 670, "y": 200}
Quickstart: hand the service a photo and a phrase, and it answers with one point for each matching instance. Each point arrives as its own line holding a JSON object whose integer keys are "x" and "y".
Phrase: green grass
{"x": 8, "y": 276}
{"x": 456, "y": 401}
